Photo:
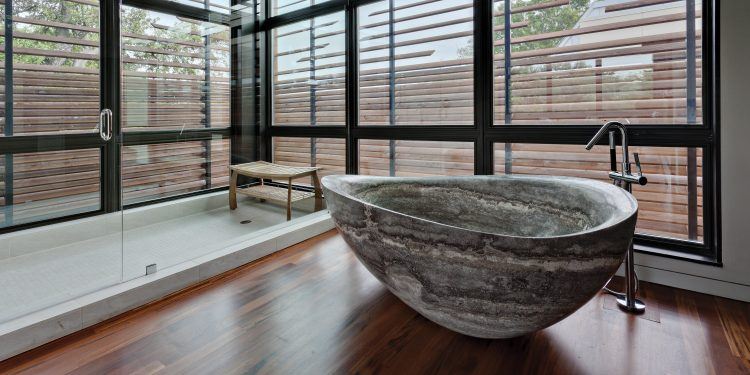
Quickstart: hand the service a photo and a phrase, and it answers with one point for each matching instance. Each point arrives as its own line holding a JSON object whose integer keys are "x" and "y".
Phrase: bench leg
{"x": 233, "y": 191}
{"x": 318, "y": 192}
{"x": 261, "y": 200}
{"x": 289, "y": 201}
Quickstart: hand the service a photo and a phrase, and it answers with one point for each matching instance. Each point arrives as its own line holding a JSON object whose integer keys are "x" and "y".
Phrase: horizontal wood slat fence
{"x": 629, "y": 62}
{"x": 624, "y": 61}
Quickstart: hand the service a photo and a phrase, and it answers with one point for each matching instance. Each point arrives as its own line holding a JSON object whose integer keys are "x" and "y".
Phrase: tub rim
{"x": 601, "y": 186}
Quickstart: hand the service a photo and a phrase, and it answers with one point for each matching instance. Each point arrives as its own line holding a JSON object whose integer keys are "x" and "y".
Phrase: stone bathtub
{"x": 486, "y": 256}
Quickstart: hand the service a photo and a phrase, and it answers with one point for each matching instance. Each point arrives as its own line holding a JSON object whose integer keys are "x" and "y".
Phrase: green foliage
{"x": 539, "y": 22}
{"x": 57, "y": 11}
{"x": 175, "y": 48}
{"x": 544, "y": 21}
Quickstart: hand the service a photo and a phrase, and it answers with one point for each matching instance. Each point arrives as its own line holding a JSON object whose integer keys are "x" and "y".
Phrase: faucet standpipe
{"x": 624, "y": 179}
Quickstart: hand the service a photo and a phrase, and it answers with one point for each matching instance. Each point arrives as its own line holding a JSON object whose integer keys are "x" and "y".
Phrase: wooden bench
{"x": 265, "y": 170}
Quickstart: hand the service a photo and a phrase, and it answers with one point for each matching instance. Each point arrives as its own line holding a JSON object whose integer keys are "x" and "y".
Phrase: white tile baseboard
{"x": 695, "y": 283}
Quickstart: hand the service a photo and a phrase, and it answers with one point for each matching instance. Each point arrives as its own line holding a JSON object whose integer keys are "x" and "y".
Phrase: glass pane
{"x": 166, "y": 169}
{"x": 45, "y": 185}
{"x": 176, "y": 72}
{"x": 55, "y": 68}
{"x": 416, "y": 63}
{"x": 279, "y": 7}
{"x": 327, "y": 153}
{"x": 670, "y": 205}
{"x": 585, "y": 62}
{"x": 308, "y": 72}
{"x": 415, "y": 158}
{"x": 182, "y": 213}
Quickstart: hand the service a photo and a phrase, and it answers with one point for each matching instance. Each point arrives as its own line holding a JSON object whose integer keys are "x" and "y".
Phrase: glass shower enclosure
{"x": 60, "y": 220}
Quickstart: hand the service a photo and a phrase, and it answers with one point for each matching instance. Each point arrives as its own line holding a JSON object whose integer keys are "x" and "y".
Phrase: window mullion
{"x": 8, "y": 128}
{"x": 351, "y": 88}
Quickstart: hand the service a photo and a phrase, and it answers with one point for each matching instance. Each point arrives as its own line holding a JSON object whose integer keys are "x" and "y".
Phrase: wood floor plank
{"x": 314, "y": 309}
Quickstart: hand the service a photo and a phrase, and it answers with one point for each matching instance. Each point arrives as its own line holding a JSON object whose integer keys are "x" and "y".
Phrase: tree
{"x": 58, "y": 11}
{"x": 163, "y": 53}
{"x": 539, "y": 22}
{"x": 542, "y": 21}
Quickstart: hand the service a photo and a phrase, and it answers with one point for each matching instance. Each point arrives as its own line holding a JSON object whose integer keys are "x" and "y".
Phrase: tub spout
{"x": 624, "y": 179}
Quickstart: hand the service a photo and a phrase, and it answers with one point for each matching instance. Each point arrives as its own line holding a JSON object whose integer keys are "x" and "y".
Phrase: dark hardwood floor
{"x": 314, "y": 309}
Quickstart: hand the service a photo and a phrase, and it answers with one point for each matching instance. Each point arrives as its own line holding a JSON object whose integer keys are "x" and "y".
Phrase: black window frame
{"x": 484, "y": 133}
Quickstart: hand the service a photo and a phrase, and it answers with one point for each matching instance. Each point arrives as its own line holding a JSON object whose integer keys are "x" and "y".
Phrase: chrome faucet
{"x": 624, "y": 179}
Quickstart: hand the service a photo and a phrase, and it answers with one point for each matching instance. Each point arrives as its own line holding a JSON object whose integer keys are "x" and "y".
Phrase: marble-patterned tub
{"x": 487, "y": 256}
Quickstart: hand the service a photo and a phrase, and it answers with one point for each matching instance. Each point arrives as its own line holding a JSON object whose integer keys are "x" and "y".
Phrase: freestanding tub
{"x": 486, "y": 256}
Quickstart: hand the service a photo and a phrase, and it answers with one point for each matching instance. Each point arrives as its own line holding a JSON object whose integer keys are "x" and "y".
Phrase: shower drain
{"x": 248, "y": 221}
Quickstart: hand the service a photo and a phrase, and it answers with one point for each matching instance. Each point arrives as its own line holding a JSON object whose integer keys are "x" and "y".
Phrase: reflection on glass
{"x": 670, "y": 205}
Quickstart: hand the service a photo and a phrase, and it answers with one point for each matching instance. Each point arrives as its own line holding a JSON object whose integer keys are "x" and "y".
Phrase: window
{"x": 415, "y": 158}
{"x": 175, "y": 72}
{"x": 218, "y": 6}
{"x": 163, "y": 170}
{"x": 416, "y": 63}
{"x": 670, "y": 205}
{"x": 583, "y": 62}
{"x": 308, "y": 72}
{"x": 279, "y": 7}
{"x": 174, "y": 102}
{"x": 50, "y": 95}
{"x": 54, "y": 69}
{"x": 47, "y": 185}
{"x": 378, "y": 87}
{"x": 175, "y": 79}
{"x": 328, "y": 154}
{"x": 519, "y": 87}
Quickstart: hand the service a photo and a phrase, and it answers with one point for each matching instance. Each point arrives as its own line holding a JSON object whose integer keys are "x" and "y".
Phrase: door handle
{"x": 105, "y": 124}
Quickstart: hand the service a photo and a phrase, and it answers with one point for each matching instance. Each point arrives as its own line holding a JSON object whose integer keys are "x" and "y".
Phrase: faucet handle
{"x": 637, "y": 163}
{"x": 641, "y": 179}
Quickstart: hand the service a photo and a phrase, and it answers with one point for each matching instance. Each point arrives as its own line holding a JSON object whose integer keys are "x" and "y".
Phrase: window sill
{"x": 679, "y": 255}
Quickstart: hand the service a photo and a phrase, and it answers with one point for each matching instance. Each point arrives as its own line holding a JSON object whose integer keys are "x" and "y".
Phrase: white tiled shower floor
{"x": 38, "y": 280}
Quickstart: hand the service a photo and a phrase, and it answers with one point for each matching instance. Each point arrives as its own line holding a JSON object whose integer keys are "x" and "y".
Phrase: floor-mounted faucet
{"x": 624, "y": 179}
